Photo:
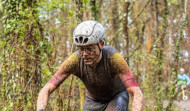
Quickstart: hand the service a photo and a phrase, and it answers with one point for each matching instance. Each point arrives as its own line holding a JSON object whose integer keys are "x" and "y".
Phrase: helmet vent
{"x": 80, "y": 39}
{"x": 85, "y": 40}
{"x": 76, "y": 40}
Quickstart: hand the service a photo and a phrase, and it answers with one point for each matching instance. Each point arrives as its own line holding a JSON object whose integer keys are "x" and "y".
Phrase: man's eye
{"x": 81, "y": 49}
{"x": 89, "y": 49}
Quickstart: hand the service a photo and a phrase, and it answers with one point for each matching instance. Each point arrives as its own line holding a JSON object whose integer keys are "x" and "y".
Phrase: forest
{"x": 36, "y": 36}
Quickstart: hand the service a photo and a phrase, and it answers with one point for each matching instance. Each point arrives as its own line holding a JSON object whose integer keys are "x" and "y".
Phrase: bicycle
{"x": 183, "y": 94}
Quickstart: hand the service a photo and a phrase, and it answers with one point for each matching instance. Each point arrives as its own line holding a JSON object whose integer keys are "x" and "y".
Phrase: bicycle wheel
{"x": 186, "y": 97}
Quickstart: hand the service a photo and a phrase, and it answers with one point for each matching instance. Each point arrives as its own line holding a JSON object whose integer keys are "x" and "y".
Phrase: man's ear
{"x": 101, "y": 44}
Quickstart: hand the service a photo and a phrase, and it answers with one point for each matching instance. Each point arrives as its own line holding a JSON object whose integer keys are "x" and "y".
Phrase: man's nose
{"x": 85, "y": 53}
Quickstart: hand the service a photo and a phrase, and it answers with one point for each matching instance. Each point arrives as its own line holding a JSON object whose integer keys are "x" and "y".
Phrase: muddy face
{"x": 89, "y": 53}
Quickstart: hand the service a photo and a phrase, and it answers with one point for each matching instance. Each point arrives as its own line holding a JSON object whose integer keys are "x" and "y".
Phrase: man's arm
{"x": 127, "y": 78}
{"x": 45, "y": 92}
{"x": 134, "y": 91}
{"x": 187, "y": 79}
{"x": 44, "y": 96}
{"x": 53, "y": 83}
{"x": 66, "y": 68}
{"x": 137, "y": 96}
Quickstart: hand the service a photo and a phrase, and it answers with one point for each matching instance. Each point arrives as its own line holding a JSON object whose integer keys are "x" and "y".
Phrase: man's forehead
{"x": 86, "y": 46}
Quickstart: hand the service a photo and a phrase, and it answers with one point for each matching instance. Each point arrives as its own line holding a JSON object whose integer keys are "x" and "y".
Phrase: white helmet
{"x": 182, "y": 70}
{"x": 88, "y": 32}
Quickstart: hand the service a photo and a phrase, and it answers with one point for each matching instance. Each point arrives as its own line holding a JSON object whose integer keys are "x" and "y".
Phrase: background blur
{"x": 36, "y": 36}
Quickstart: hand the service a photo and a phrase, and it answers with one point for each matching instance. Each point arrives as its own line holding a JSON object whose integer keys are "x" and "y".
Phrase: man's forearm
{"x": 137, "y": 103}
{"x": 137, "y": 96}
{"x": 43, "y": 98}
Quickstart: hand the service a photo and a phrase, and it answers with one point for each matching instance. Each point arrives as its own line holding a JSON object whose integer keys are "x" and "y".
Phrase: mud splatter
{"x": 121, "y": 67}
{"x": 67, "y": 67}
{"x": 119, "y": 64}
{"x": 69, "y": 64}
{"x": 137, "y": 96}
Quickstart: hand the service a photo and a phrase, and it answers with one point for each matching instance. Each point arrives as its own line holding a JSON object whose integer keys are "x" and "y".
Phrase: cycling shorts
{"x": 117, "y": 103}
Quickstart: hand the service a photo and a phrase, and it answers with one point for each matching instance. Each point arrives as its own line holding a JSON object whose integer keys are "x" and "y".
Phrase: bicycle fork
{"x": 183, "y": 93}
{"x": 184, "y": 97}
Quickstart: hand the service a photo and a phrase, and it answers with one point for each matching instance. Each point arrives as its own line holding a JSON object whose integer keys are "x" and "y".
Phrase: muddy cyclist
{"x": 107, "y": 78}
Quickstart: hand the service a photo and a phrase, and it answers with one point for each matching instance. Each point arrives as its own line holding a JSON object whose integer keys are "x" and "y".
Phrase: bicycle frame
{"x": 184, "y": 97}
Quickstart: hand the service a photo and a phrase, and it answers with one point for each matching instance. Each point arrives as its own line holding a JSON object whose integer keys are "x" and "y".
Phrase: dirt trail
{"x": 182, "y": 105}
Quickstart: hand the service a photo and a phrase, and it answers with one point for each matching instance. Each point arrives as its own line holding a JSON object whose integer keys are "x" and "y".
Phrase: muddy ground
{"x": 182, "y": 105}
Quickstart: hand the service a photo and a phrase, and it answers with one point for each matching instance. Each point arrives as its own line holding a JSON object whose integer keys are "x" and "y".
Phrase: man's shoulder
{"x": 109, "y": 50}
{"x": 109, "y": 47}
{"x": 77, "y": 53}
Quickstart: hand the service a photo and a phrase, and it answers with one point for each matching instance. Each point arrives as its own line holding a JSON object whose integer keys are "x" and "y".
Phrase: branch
{"x": 139, "y": 13}
{"x": 69, "y": 93}
{"x": 132, "y": 20}
{"x": 27, "y": 84}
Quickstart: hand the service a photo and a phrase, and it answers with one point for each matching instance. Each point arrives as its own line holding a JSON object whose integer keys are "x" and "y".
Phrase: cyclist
{"x": 182, "y": 79}
{"x": 102, "y": 69}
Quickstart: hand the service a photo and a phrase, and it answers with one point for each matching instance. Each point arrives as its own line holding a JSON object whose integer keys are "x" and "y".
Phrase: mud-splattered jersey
{"x": 101, "y": 82}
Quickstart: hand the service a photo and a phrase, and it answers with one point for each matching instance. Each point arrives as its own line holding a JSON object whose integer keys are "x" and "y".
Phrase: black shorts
{"x": 118, "y": 103}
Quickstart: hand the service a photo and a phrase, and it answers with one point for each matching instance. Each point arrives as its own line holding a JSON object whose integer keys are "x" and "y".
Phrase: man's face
{"x": 89, "y": 53}
{"x": 181, "y": 72}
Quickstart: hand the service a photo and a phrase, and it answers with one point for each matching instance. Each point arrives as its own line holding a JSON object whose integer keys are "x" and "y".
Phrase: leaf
{"x": 2, "y": 43}
{"x": 41, "y": 43}
{"x": 29, "y": 104}
{"x": 71, "y": 13}
{"x": 3, "y": 74}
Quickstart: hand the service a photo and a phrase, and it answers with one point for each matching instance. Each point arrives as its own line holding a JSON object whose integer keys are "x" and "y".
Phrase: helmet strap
{"x": 99, "y": 53}
{"x": 99, "y": 47}
{"x": 99, "y": 50}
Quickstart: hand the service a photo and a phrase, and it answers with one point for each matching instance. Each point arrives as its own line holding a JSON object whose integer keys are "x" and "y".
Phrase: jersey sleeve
{"x": 187, "y": 79}
{"x": 121, "y": 68}
{"x": 69, "y": 66}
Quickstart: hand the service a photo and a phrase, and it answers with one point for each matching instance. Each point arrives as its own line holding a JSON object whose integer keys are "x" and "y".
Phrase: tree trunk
{"x": 115, "y": 24}
{"x": 125, "y": 29}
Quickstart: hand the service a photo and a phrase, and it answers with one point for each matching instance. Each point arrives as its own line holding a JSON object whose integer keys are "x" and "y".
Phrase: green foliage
{"x": 25, "y": 42}
{"x": 174, "y": 1}
{"x": 36, "y": 35}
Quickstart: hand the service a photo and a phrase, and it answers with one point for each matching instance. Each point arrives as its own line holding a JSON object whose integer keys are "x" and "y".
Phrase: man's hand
{"x": 184, "y": 86}
{"x": 44, "y": 95}
{"x": 137, "y": 96}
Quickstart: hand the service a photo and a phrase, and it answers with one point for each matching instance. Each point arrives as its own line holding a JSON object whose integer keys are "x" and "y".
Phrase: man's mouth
{"x": 87, "y": 59}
